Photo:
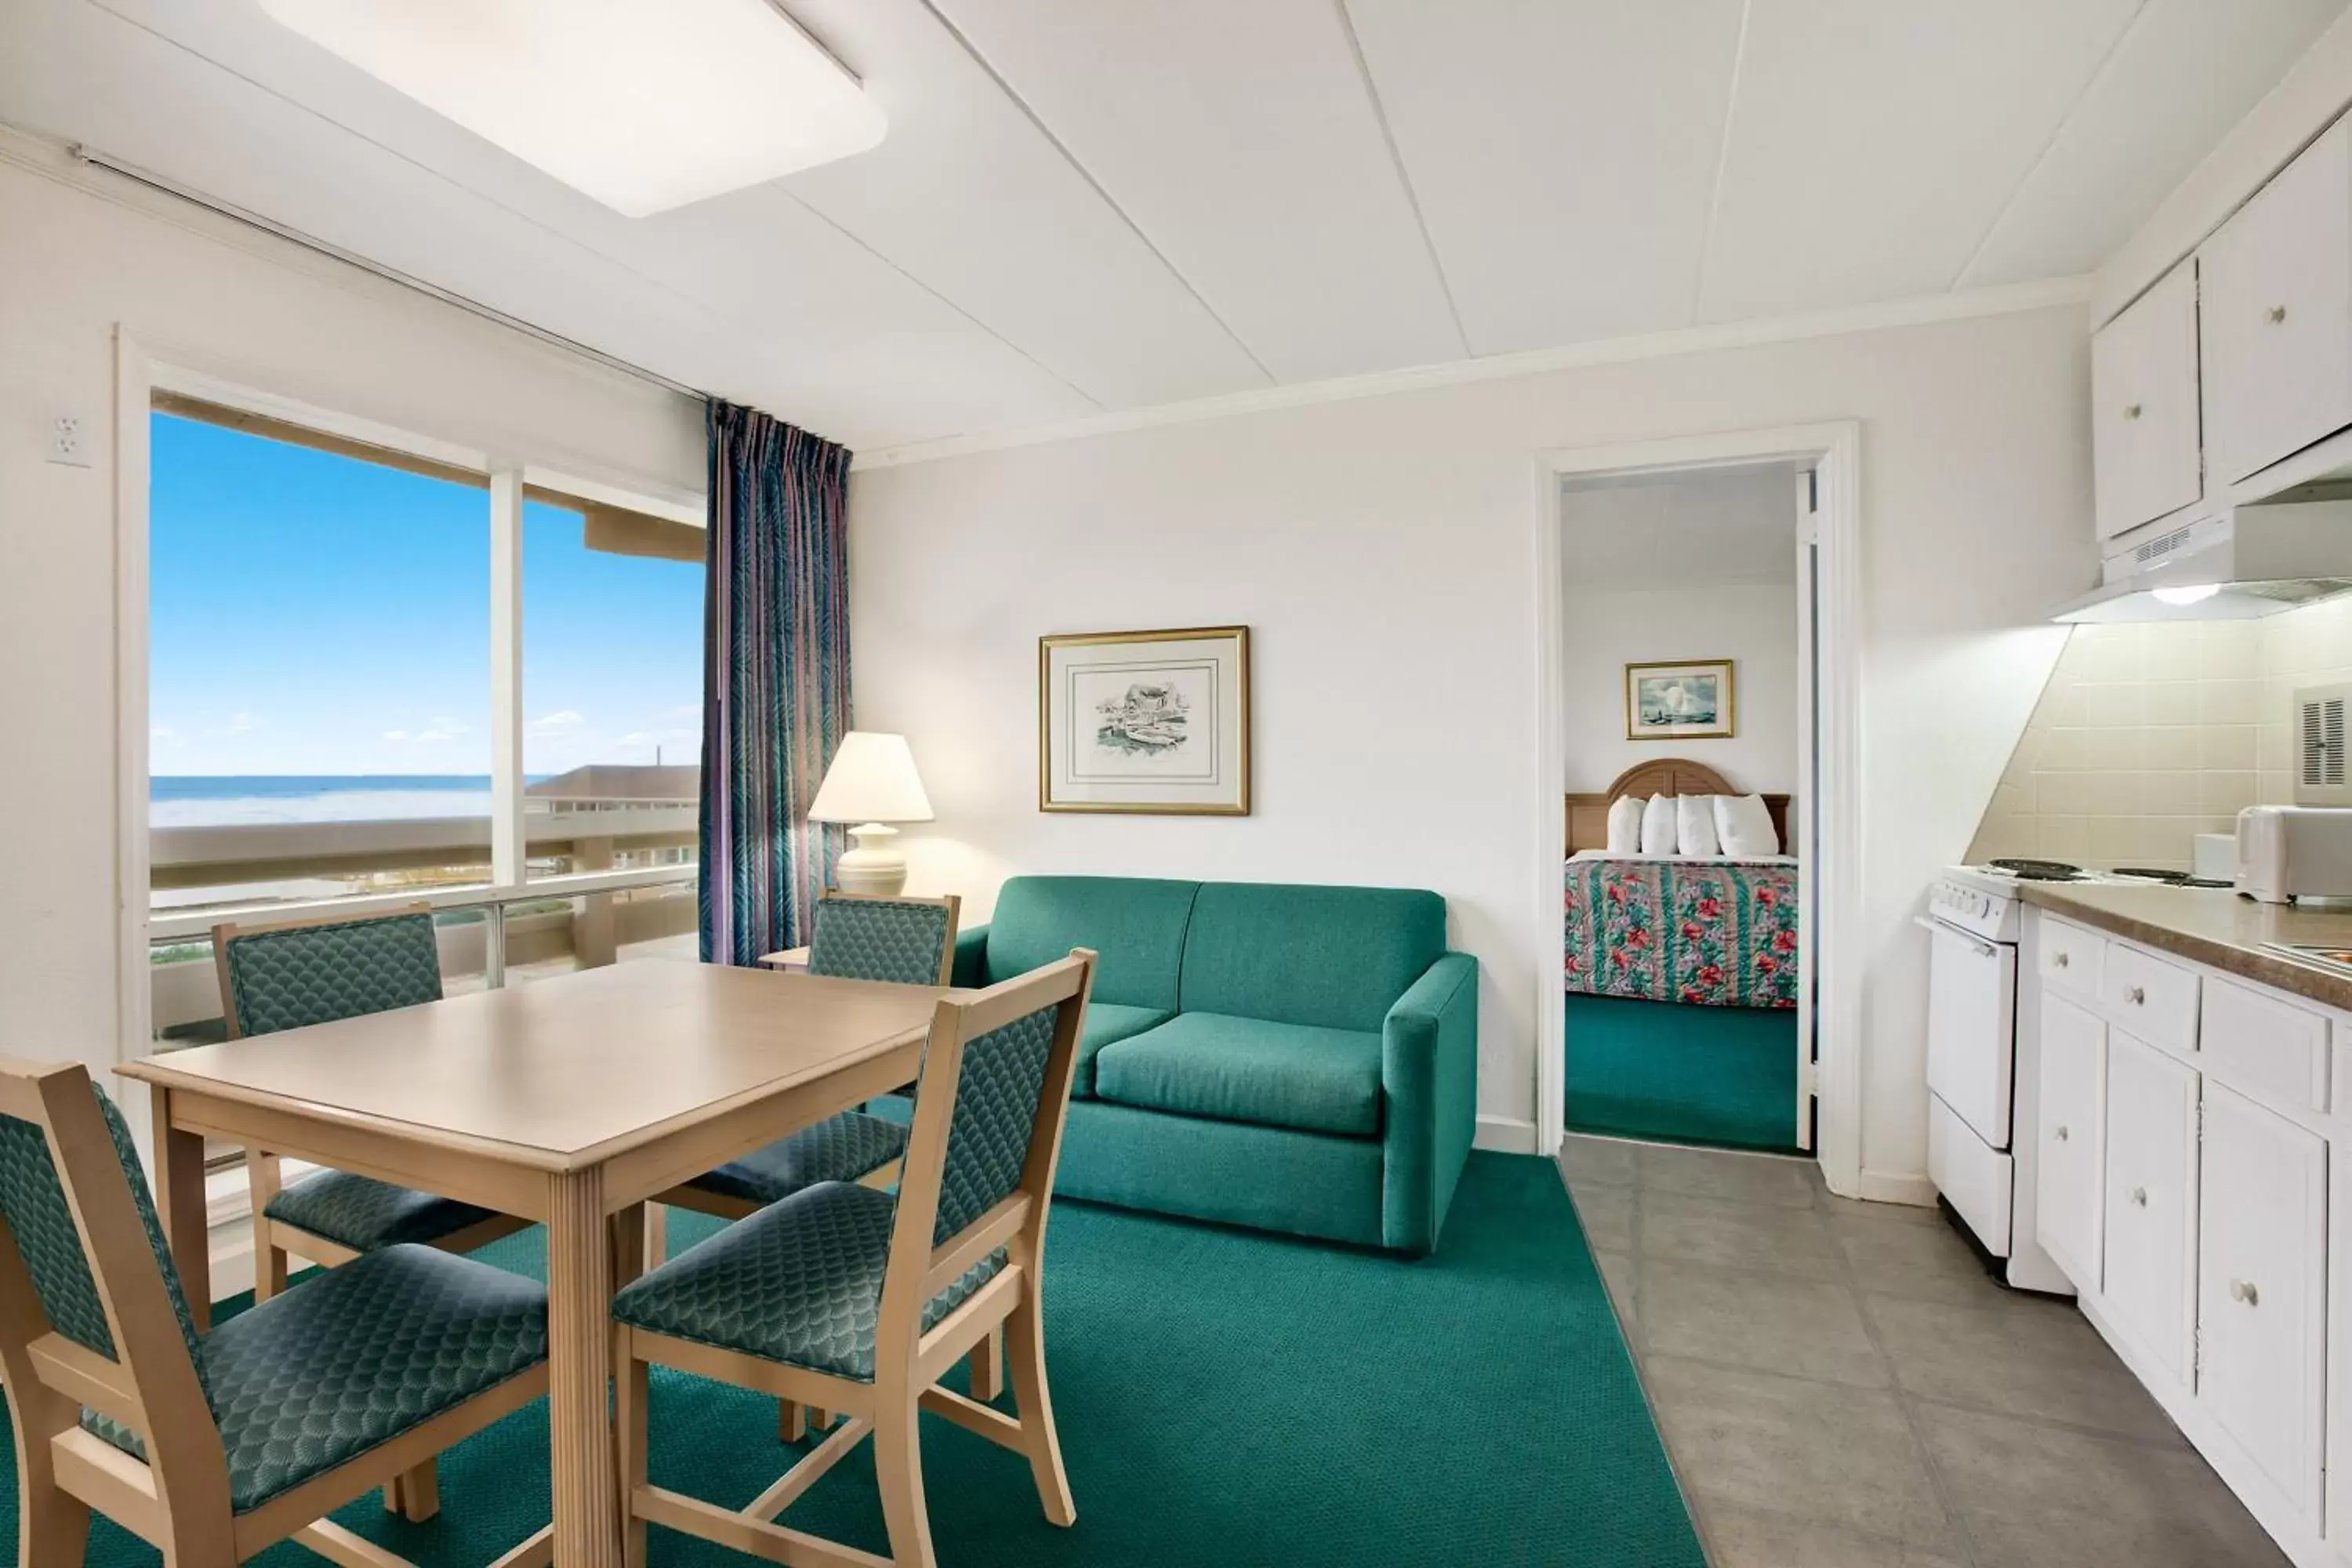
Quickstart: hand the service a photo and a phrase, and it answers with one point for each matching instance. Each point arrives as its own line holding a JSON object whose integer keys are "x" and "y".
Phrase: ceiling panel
{"x": 1873, "y": 144}
{"x": 2187, "y": 71}
{"x": 1562, "y": 153}
{"x": 1242, "y": 141}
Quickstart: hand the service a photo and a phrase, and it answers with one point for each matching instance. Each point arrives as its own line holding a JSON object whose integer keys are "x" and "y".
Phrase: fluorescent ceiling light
{"x": 644, "y": 104}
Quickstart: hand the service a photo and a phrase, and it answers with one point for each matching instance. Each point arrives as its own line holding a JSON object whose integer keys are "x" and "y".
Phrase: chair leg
{"x": 631, "y": 1439}
{"x": 792, "y": 1421}
{"x": 1025, "y": 1345}
{"x": 269, "y": 1259}
{"x": 419, "y": 1491}
{"x": 52, "y": 1525}
{"x": 988, "y": 1366}
{"x": 629, "y": 1243}
{"x": 898, "y": 1475}
{"x": 657, "y": 1236}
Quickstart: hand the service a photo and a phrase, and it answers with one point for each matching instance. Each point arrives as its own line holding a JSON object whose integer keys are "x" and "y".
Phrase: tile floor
{"x": 1841, "y": 1387}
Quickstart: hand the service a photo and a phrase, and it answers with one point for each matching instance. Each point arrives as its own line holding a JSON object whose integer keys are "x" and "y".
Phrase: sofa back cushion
{"x": 1135, "y": 923}
{"x": 1336, "y": 958}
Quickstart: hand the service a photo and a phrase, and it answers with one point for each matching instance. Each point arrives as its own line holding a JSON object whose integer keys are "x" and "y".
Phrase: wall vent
{"x": 2320, "y": 773}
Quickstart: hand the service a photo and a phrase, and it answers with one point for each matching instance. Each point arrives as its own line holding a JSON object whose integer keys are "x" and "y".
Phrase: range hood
{"x": 2241, "y": 562}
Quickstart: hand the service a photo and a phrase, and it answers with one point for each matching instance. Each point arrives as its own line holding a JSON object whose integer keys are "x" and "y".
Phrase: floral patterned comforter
{"x": 1723, "y": 934}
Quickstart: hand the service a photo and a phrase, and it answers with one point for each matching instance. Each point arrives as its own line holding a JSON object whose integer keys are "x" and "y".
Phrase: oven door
{"x": 1972, "y": 1027}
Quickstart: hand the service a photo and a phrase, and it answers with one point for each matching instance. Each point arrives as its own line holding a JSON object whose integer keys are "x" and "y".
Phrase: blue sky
{"x": 314, "y": 613}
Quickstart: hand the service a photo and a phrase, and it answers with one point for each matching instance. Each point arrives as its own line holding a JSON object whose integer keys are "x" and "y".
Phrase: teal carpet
{"x": 1683, "y": 1073}
{"x": 1224, "y": 1398}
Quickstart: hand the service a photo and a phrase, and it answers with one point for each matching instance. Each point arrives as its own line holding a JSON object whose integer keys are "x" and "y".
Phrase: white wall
{"x": 1383, "y": 550}
{"x": 74, "y": 267}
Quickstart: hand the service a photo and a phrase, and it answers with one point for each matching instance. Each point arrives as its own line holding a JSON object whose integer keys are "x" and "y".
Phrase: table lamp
{"x": 872, "y": 783}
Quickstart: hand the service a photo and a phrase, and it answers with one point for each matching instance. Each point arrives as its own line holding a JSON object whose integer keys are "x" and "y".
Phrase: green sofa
{"x": 1297, "y": 1058}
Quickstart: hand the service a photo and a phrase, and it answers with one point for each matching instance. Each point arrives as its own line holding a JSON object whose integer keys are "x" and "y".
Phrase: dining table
{"x": 568, "y": 1100}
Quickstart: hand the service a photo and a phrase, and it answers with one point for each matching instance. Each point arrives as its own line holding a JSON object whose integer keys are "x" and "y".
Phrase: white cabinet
{"x": 2151, "y": 1199}
{"x": 2144, "y": 414}
{"x": 2261, "y": 1294}
{"x": 2066, "y": 1201}
{"x": 2277, "y": 314}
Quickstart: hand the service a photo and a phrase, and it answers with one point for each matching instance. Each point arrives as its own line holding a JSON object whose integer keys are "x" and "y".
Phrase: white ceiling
{"x": 1113, "y": 203}
{"x": 1713, "y": 528}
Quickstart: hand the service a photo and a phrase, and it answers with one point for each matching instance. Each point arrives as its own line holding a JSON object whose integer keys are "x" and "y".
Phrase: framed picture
{"x": 1145, "y": 721}
{"x": 1690, "y": 700}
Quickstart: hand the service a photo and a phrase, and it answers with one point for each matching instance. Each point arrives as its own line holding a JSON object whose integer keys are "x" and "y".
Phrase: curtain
{"x": 775, "y": 679}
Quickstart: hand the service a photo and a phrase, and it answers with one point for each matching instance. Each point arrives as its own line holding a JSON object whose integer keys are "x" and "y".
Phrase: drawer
{"x": 2256, "y": 1040}
{"x": 2070, "y": 957}
{"x": 2154, "y": 998}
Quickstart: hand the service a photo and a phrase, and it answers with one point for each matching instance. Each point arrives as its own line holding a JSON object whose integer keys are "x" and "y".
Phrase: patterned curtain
{"x": 775, "y": 679}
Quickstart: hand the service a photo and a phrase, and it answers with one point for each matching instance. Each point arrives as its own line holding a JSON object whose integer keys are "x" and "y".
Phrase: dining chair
{"x": 213, "y": 1448}
{"x": 850, "y": 1297}
{"x": 900, "y": 940}
{"x": 287, "y": 973}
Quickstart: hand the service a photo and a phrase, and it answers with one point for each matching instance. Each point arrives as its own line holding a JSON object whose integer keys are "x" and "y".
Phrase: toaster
{"x": 2287, "y": 852}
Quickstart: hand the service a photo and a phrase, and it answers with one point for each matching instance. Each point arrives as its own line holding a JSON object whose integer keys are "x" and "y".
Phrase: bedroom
{"x": 1684, "y": 1016}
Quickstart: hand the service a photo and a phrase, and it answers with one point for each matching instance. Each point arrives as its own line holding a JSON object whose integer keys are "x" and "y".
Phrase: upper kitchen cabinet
{"x": 2277, "y": 314}
{"x": 2144, "y": 406}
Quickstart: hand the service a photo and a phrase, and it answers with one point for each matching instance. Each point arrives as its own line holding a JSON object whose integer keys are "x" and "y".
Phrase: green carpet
{"x": 1224, "y": 1398}
{"x": 1683, "y": 1073}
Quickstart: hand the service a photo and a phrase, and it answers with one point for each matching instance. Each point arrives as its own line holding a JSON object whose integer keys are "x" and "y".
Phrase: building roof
{"x": 613, "y": 780}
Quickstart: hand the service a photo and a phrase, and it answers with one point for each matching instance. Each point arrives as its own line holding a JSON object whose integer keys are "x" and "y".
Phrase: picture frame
{"x": 1145, "y": 721}
{"x": 1681, "y": 699}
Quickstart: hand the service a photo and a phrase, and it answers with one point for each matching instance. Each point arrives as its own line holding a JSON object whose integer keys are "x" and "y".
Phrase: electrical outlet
{"x": 69, "y": 440}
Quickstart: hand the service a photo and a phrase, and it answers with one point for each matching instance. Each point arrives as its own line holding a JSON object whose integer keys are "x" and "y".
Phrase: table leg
{"x": 579, "y": 1364}
{"x": 180, "y": 1204}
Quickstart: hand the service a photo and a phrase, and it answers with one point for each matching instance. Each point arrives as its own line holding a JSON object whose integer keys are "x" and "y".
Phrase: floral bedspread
{"x": 1721, "y": 933}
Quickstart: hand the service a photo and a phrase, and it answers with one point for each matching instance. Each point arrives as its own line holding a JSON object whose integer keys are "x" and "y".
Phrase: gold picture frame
{"x": 1682, "y": 700}
{"x": 1146, "y": 751}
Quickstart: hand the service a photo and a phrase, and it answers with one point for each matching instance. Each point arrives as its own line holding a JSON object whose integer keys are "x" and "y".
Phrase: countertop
{"x": 2212, "y": 926}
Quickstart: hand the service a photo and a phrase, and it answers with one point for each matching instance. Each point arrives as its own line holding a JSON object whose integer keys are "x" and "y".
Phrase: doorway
{"x": 1815, "y": 1083}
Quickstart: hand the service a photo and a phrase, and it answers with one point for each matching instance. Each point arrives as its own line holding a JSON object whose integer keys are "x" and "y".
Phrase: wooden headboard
{"x": 1588, "y": 814}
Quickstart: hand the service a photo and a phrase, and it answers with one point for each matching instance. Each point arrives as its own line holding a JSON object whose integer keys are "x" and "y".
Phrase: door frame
{"x": 1831, "y": 921}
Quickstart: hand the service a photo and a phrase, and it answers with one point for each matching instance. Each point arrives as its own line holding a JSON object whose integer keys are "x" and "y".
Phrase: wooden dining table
{"x": 568, "y": 1100}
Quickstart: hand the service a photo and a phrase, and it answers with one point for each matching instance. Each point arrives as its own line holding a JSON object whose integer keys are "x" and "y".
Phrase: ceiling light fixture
{"x": 643, "y": 104}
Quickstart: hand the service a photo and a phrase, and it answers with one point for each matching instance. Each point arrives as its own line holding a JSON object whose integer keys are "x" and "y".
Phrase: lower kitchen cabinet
{"x": 2150, "y": 1246}
{"x": 2066, "y": 1203}
{"x": 2261, "y": 1292}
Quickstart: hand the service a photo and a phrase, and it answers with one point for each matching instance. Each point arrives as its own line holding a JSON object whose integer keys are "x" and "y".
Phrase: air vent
{"x": 2319, "y": 762}
{"x": 2156, "y": 548}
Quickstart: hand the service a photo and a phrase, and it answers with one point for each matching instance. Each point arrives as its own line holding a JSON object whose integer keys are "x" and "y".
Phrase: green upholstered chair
{"x": 848, "y": 1297}
{"x": 213, "y": 1447}
{"x": 296, "y": 973}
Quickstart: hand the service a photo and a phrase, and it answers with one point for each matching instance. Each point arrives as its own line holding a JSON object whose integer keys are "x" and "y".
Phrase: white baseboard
{"x": 1889, "y": 1187}
{"x": 1505, "y": 1135}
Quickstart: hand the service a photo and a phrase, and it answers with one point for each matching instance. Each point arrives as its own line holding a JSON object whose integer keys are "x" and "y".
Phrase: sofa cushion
{"x": 1333, "y": 957}
{"x": 1106, "y": 1022}
{"x": 1249, "y": 1069}
{"x": 1136, "y": 924}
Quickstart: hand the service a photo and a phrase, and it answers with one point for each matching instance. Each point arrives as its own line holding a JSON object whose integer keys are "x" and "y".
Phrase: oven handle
{"x": 1931, "y": 925}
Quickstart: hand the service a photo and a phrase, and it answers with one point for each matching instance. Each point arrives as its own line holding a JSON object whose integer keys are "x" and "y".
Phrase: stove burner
{"x": 2039, "y": 870}
{"x": 2206, "y": 883}
{"x": 2151, "y": 874}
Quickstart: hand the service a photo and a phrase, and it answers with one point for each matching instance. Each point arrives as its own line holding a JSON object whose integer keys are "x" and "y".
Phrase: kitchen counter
{"x": 2212, "y": 926}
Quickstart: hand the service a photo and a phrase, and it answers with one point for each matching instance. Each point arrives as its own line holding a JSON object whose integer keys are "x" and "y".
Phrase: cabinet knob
{"x": 2061, "y": 1135}
{"x": 2059, "y": 962}
{"x": 2136, "y": 995}
{"x": 2243, "y": 1290}
{"x": 2275, "y": 314}
{"x": 2139, "y": 1196}
{"x": 2132, "y": 410}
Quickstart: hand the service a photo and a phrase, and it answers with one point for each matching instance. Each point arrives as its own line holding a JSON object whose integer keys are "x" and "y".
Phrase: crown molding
{"x": 1961, "y": 305}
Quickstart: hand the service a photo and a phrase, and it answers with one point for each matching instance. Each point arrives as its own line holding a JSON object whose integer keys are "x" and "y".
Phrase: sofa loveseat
{"x": 1297, "y": 1058}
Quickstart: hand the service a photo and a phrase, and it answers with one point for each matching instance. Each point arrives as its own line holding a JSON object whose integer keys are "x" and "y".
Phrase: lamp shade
{"x": 872, "y": 779}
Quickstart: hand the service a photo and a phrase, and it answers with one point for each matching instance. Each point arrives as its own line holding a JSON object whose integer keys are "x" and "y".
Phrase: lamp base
{"x": 874, "y": 867}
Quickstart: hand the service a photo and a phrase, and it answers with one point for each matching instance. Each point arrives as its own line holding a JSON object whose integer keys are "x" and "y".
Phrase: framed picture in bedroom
{"x": 1145, "y": 721}
{"x": 1690, "y": 699}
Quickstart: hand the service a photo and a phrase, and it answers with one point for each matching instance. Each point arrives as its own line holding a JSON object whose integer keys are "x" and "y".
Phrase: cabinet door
{"x": 2066, "y": 1201}
{"x": 2262, "y": 1295}
{"x": 2151, "y": 1199}
{"x": 2143, "y": 419}
{"x": 2276, "y": 317}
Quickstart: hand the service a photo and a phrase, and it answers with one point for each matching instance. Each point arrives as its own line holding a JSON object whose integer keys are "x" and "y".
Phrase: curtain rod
{"x": 83, "y": 153}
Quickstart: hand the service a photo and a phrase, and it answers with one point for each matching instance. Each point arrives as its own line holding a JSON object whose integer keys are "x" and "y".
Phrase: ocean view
{"x": 212, "y": 800}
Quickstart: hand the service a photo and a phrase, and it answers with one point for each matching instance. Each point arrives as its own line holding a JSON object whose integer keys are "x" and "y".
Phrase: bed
{"x": 1713, "y": 931}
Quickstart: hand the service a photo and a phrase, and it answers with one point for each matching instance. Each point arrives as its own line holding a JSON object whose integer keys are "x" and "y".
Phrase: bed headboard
{"x": 1588, "y": 814}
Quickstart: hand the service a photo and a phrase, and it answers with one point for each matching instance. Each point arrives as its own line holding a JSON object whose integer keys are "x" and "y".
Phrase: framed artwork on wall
{"x": 1145, "y": 721}
{"x": 1685, "y": 701}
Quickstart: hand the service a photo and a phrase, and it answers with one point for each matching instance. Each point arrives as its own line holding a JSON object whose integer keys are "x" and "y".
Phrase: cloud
{"x": 438, "y": 731}
{"x": 162, "y": 733}
{"x": 240, "y": 723}
{"x": 564, "y": 722}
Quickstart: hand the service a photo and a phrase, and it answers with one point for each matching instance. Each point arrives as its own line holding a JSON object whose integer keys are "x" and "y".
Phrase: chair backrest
{"x": 988, "y": 1111}
{"x": 83, "y": 1260}
{"x": 288, "y": 974}
{"x": 909, "y": 941}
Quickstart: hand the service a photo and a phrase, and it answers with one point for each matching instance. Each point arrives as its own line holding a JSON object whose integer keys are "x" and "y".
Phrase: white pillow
{"x": 1694, "y": 826}
{"x": 1744, "y": 825}
{"x": 1658, "y": 826}
{"x": 1625, "y": 824}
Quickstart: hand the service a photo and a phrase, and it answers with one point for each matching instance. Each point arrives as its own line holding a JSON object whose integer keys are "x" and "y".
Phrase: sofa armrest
{"x": 971, "y": 957}
{"x": 1429, "y": 1078}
